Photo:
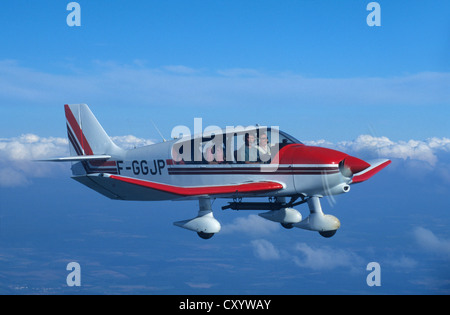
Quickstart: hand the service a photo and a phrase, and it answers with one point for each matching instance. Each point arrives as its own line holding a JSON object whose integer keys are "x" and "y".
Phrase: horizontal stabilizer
{"x": 375, "y": 167}
{"x": 78, "y": 158}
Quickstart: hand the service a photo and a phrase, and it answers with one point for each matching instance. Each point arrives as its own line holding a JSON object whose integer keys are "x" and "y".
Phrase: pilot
{"x": 214, "y": 154}
{"x": 177, "y": 157}
{"x": 248, "y": 153}
{"x": 264, "y": 148}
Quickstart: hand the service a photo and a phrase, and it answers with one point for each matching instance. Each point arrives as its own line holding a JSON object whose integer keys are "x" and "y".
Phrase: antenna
{"x": 164, "y": 140}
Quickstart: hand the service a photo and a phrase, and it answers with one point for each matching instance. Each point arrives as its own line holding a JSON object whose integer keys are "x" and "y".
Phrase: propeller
{"x": 352, "y": 165}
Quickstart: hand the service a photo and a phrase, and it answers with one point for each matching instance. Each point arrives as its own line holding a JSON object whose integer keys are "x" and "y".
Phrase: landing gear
{"x": 325, "y": 224}
{"x": 328, "y": 234}
{"x": 205, "y": 236}
{"x": 287, "y": 225}
{"x": 285, "y": 215}
{"x": 204, "y": 223}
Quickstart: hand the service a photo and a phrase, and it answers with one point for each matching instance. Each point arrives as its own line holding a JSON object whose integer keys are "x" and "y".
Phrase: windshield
{"x": 289, "y": 138}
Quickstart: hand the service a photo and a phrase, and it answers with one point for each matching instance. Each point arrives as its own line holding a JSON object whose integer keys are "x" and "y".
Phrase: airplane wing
{"x": 375, "y": 167}
{"x": 77, "y": 158}
{"x": 243, "y": 188}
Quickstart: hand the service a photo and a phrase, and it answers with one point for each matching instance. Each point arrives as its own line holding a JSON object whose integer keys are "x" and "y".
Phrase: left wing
{"x": 243, "y": 188}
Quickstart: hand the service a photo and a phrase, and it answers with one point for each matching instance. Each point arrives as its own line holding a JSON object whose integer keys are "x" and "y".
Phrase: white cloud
{"x": 265, "y": 250}
{"x": 113, "y": 83}
{"x": 383, "y": 147}
{"x": 10, "y": 177}
{"x": 440, "y": 144}
{"x": 202, "y": 285}
{"x": 17, "y": 155}
{"x": 306, "y": 256}
{"x": 178, "y": 69}
{"x": 130, "y": 141}
{"x": 252, "y": 225}
{"x": 239, "y": 72}
{"x": 326, "y": 258}
{"x": 31, "y": 147}
{"x": 428, "y": 241}
{"x": 402, "y": 262}
{"x": 17, "y": 152}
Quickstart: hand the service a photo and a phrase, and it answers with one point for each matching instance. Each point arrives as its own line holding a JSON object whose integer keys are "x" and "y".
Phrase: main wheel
{"x": 287, "y": 225}
{"x": 205, "y": 236}
{"x": 327, "y": 234}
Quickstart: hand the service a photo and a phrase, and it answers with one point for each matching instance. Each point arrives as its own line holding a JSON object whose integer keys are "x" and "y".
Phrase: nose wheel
{"x": 325, "y": 224}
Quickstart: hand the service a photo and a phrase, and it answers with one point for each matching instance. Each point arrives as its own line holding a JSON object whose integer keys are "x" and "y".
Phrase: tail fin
{"x": 86, "y": 135}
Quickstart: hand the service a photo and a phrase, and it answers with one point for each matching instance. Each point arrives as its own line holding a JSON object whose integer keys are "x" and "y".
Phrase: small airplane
{"x": 233, "y": 163}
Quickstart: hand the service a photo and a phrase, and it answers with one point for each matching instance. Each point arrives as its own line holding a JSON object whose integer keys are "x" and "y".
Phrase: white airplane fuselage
{"x": 154, "y": 163}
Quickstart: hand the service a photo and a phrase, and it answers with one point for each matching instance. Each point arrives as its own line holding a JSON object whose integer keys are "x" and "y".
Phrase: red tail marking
{"x": 77, "y": 130}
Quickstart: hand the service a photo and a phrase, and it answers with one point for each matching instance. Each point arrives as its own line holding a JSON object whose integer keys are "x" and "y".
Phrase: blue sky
{"x": 314, "y": 68}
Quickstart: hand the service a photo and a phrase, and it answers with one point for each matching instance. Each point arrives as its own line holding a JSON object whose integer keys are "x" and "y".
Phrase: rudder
{"x": 86, "y": 135}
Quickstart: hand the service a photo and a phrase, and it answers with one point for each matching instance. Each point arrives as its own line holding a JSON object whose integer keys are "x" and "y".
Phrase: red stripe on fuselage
{"x": 253, "y": 171}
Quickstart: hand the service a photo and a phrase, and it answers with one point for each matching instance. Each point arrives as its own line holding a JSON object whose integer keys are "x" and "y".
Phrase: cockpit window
{"x": 256, "y": 145}
{"x": 289, "y": 138}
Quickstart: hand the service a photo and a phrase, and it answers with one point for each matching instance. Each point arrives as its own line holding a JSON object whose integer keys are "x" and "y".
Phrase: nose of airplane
{"x": 348, "y": 165}
{"x": 352, "y": 165}
{"x": 303, "y": 154}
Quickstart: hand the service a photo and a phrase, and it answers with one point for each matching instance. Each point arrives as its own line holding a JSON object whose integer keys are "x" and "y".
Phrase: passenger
{"x": 264, "y": 149}
{"x": 218, "y": 155}
{"x": 214, "y": 154}
{"x": 248, "y": 153}
{"x": 177, "y": 158}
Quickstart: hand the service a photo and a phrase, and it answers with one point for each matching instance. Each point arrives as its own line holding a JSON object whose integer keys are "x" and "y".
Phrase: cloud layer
{"x": 428, "y": 241}
{"x": 17, "y": 152}
{"x": 18, "y": 155}
{"x": 113, "y": 83}
{"x": 328, "y": 258}
{"x": 382, "y": 147}
{"x": 308, "y": 256}
{"x": 252, "y": 225}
